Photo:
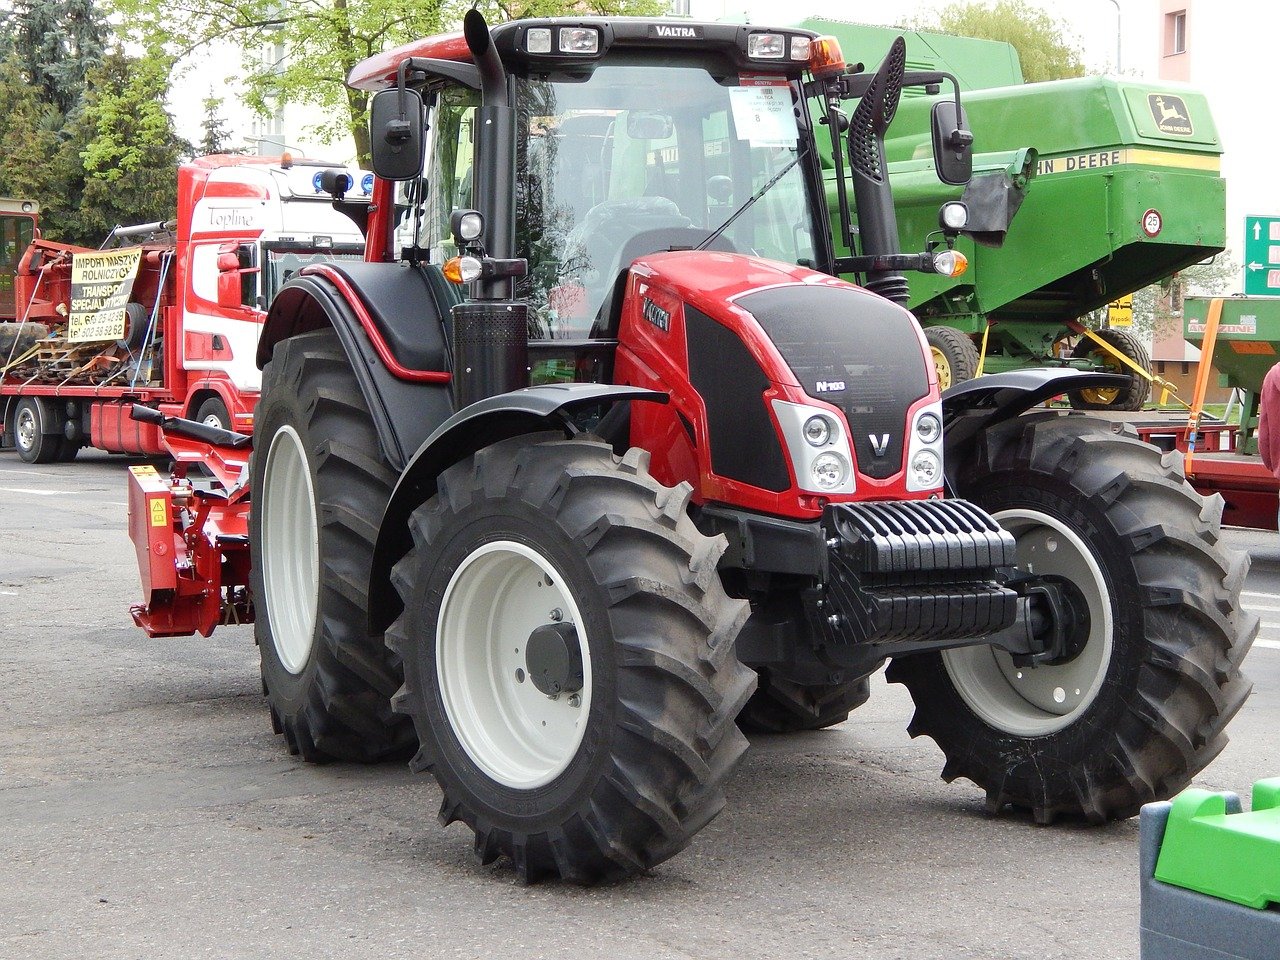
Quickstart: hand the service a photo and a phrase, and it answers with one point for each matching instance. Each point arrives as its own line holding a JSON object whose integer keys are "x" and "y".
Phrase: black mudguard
{"x": 404, "y": 412}
{"x": 532, "y": 410}
{"x": 971, "y": 407}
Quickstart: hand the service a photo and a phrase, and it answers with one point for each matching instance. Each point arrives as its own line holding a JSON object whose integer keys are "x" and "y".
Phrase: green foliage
{"x": 302, "y": 52}
{"x": 56, "y": 44}
{"x": 1046, "y": 49}
{"x": 216, "y": 139}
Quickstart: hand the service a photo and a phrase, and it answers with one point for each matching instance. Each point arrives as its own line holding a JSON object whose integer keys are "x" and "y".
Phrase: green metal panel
{"x": 1078, "y": 241}
{"x": 1231, "y": 856}
{"x": 1248, "y": 337}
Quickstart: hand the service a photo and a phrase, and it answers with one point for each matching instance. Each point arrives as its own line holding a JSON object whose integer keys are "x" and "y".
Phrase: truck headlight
{"x": 829, "y": 471}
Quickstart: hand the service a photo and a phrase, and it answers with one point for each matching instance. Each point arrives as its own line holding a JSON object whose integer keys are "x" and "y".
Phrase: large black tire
{"x": 334, "y": 699}
{"x": 664, "y": 683}
{"x": 954, "y": 355}
{"x": 1171, "y": 679}
{"x": 782, "y": 706}
{"x": 1127, "y": 398}
{"x": 29, "y": 437}
{"x": 214, "y": 412}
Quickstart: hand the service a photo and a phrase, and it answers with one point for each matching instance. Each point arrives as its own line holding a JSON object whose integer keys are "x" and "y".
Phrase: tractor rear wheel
{"x": 783, "y": 706}
{"x": 1142, "y": 704}
{"x": 569, "y": 659}
{"x": 954, "y": 355}
{"x": 1131, "y": 397}
{"x": 320, "y": 486}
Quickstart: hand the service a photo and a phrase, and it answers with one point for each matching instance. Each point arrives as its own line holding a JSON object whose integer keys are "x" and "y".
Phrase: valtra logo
{"x": 1171, "y": 114}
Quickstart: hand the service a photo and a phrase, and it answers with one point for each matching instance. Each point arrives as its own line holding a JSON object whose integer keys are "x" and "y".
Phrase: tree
{"x": 129, "y": 147}
{"x": 303, "y": 51}
{"x": 57, "y": 43}
{"x": 1046, "y": 48}
{"x": 216, "y": 138}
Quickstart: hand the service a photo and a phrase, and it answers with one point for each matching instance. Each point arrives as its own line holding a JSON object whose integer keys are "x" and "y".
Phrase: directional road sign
{"x": 1262, "y": 256}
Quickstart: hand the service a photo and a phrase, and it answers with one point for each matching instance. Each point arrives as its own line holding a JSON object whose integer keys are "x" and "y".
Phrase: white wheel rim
{"x": 26, "y": 429}
{"x": 290, "y": 550}
{"x": 1035, "y": 701}
{"x": 213, "y": 420}
{"x": 517, "y": 735}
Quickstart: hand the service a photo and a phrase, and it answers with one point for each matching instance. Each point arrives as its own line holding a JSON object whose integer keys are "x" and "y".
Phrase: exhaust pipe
{"x": 877, "y": 221}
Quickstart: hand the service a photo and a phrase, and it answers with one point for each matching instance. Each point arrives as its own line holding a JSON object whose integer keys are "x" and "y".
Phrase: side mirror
{"x": 395, "y": 134}
{"x": 952, "y": 143}
{"x": 235, "y": 276}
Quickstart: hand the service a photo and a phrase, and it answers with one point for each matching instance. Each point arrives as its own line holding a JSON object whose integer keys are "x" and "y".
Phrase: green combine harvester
{"x": 1115, "y": 184}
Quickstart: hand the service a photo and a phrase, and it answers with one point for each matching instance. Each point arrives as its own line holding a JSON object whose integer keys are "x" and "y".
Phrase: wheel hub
{"x": 26, "y": 429}
{"x": 553, "y": 659}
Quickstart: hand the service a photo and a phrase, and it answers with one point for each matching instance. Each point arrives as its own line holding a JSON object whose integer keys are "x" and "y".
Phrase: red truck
{"x": 170, "y": 321}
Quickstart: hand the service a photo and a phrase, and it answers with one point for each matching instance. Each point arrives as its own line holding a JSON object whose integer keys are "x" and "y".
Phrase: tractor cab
{"x": 627, "y": 138}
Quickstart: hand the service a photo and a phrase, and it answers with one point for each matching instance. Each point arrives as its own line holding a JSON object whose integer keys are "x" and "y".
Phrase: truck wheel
{"x": 1142, "y": 705}
{"x": 30, "y": 440}
{"x": 782, "y": 706}
{"x": 214, "y": 413}
{"x": 954, "y": 355}
{"x": 569, "y": 659}
{"x": 1131, "y": 397}
{"x": 319, "y": 488}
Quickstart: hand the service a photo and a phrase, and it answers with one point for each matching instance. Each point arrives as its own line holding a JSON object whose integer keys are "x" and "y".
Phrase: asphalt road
{"x": 148, "y": 811}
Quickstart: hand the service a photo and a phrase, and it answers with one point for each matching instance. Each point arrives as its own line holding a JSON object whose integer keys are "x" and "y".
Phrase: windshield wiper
{"x": 752, "y": 199}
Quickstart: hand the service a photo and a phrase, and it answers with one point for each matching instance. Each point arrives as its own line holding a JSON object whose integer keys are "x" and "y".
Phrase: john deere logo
{"x": 1171, "y": 114}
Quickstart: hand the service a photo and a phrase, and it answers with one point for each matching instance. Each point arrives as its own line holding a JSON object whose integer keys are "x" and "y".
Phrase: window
{"x": 1175, "y": 33}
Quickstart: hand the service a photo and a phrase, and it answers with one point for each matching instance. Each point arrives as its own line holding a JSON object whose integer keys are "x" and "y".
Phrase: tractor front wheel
{"x": 1140, "y": 702}
{"x": 569, "y": 659}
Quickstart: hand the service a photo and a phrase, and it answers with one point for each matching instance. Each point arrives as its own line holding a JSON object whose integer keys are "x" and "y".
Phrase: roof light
{"x": 286, "y": 160}
{"x": 825, "y": 57}
{"x": 538, "y": 40}
{"x": 950, "y": 263}
{"x": 766, "y": 46}
{"x": 800, "y": 48}
{"x": 579, "y": 40}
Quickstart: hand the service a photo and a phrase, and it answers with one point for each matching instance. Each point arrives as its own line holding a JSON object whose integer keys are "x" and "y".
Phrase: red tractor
{"x": 593, "y": 461}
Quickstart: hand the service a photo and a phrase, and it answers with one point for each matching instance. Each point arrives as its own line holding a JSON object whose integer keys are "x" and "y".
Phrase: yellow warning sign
{"x": 159, "y": 515}
{"x": 1120, "y": 312}
{"x": 101, "y": 285}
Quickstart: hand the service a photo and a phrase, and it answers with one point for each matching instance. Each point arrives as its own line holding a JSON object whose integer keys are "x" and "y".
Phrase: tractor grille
{"x": 913, "y": 570}
{"x": 853, "y": 349}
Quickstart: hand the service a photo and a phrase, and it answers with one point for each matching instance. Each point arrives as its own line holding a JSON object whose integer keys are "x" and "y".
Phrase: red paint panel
{"x": 649, "y": 356}
{"x": 242, "y": 191}
{"x": 115, "y": 431}
{"x": 379, "y": 71}
{"x": 206, "y": 346}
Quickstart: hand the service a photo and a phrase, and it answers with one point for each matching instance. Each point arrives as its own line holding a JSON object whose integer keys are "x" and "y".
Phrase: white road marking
{"x": 36, "y": 493}
{"x": 1267, "y": 644}
{"x": 1264, "y": 596}
{"x": 30, "y": 473}
{"x": 1261, "y": 608}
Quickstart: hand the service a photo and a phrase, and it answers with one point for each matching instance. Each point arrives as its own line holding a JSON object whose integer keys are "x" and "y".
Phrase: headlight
{"x": 817, "y": 431}
{"x": 538, "y": 40}
{"x": 766, "y": 46}
{"x": 953, "y": 216}
{"x": 800, "y": 48}
{"x": 579, "y": 40}
{"x": 928, "y": 428}
{"x": 926, "y": 468}
{"x": 829, "y": 471}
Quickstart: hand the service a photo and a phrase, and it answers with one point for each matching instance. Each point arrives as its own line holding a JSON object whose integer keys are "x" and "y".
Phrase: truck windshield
{"x": 643, "y": 157}
{"x": 281, "y": 261}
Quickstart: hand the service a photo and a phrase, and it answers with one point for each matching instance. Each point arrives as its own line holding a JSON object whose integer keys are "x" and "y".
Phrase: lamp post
{"x": 1116, "y": 3}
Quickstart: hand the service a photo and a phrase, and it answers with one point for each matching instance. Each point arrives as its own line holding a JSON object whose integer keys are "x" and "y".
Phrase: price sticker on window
{"x": 763, "y": 113}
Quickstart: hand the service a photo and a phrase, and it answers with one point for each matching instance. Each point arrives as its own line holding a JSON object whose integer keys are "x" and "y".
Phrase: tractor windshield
{"x": 643, "y": 157}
